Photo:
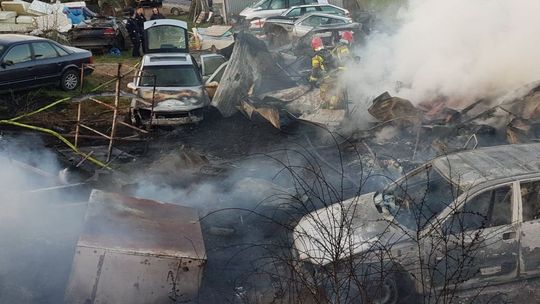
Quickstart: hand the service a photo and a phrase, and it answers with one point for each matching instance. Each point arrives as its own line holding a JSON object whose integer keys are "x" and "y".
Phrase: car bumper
{"x": 175, "y": 118}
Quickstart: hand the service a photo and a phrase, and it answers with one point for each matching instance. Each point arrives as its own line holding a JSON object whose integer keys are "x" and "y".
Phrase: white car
{"x": 269, "y": 8}
{"x": 169, "y": 84}
{"x": 461, "y": 221}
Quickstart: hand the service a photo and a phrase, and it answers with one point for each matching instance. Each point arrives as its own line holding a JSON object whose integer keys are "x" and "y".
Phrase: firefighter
{"x": 134, "y": 35}
{"x": 318, "y": 61}
{"x": 321, "y": 76}
{"x": 341, "y": 52}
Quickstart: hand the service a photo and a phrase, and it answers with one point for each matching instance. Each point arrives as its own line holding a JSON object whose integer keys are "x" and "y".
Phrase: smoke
{"x": 458, "y": 51}
{"x": 38, "y": 230}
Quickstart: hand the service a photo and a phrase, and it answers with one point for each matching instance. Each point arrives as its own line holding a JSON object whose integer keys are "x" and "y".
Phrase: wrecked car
{"x": 99, "y": 33}
{"x": 461, "y": 221}
{"x": 169, "y": 83}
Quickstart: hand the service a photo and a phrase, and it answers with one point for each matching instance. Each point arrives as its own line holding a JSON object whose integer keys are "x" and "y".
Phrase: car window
{"x": 211, "y": 63}
{"x": 490, "y": 208}
{"x": 278, "y": 4}
{"x": 295, "y": 3}
{"x": 310, "y": 9}
{"x": 19, "y": 53}
{"x": 218, "y": 74}
{"x": 530, "y": 198}
{"x": 295, "y": 12}
{"x": 262, "y": 4}
{"x": 312, "y": 21}
{"x": 60, "y": 50}
{"x": 334, "y": 21}
{"x": 44, "y": 50}
{"x": 331, "y": 10}
{"x": 170, "y": 76}
{"x": 166, "y": 37}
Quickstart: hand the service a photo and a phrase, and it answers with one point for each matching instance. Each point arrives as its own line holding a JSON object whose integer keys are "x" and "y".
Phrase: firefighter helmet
{"x": 316, "y": 43}
{"x": 347, "y": 37}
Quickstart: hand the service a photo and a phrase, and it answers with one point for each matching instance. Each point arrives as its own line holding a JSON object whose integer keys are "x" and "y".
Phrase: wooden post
{"x": 77, "y": 127}
{"x": 115, "y": 111}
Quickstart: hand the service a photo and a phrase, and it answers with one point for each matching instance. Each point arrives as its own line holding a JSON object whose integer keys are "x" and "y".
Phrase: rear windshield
{"x": 166, "y": 38}
{"x": 170, "y": 76}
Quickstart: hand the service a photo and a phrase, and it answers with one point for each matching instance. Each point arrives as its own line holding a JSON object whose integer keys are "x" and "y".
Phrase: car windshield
{"x": 418, "y": 197}
{"x": 170, "y": 76}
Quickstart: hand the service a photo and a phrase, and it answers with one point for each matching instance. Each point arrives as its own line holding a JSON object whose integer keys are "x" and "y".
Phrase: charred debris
{"x": 269, "y": 88}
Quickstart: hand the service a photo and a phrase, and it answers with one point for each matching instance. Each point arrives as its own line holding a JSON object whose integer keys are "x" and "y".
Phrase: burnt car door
{"x": 47, "y": 64}
{"x": 17, "y": 67}
{"x": 529, "y": 240}
{"x": 165, "y": 36}
{"x": 478, "y": 243}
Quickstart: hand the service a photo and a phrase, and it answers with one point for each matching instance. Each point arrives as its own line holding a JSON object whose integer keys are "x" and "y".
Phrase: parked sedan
{"x": 27, "y": 61}
{"x": 290, "y": 30}
{"x": 295, "y": 12}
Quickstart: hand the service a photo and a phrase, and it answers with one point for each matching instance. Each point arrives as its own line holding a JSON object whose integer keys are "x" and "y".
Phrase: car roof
{"x": 160, "y": 59}
{"x": 13, "y": 38}
{"x": 326, "y": 15}
{"x": 314, "y": 4}
{"x": 470, "y": 168}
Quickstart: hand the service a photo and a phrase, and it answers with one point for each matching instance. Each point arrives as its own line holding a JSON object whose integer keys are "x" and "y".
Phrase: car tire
{"x": 70, "y": 80}
{"x": 175, "y": 11}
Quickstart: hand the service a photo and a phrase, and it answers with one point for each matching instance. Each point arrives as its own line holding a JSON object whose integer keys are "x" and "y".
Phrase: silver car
{"x": 461, "y": 221}
{"x": 169, "y": 83}
{"x": 268, "y": 8}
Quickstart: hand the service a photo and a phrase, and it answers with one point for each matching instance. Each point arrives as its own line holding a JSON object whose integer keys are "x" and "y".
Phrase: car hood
{"x": 343, "y": 229}
{"x": 171, "y": 100}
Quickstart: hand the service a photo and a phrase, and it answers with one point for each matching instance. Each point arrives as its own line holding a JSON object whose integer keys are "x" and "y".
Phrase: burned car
{"x": 462, "y": 221}
{"x": 169, "y": 83}
{"x": 99, "y": 33}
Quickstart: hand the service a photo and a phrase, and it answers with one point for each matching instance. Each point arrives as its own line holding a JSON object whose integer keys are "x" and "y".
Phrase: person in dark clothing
{"x": 134, "y": 34}
{"x": 140, "y": 20}
{"x": 156, "y": 14}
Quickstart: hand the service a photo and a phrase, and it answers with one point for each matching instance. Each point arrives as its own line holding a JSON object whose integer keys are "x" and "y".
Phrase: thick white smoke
{"x": 459, "y": 50}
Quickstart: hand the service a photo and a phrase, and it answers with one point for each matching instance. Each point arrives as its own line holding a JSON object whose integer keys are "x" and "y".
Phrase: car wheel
{"x": 70, "y": 80}
{"x": 175, "y": 11}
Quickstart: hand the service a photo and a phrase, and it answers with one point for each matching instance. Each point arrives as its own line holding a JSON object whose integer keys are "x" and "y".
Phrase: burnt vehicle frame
{"x": 483, "y": 234}
{"x": 99, "y": 33}
{"x": 179, "y": 98}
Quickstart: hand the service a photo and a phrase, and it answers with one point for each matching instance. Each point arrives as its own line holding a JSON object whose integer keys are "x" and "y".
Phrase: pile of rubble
{"x": 36, "y": 17}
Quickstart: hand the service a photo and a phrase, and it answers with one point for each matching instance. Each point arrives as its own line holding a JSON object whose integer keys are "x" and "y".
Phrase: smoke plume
{"x": 456, "y": 51}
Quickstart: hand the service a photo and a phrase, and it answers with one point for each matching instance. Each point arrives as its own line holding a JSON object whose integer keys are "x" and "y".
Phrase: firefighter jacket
{"x": 318, "y": 66}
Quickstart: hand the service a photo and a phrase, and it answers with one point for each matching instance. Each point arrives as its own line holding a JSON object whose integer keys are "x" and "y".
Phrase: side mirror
{"x": 132, "y": 86}
{"x": 7, "y": 63}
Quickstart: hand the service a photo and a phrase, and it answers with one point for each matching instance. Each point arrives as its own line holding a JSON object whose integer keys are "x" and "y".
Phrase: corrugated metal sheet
{"x": 234, "y": 7}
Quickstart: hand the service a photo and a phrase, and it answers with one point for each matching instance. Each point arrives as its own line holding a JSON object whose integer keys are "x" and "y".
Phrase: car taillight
{"x": 91, "y": 60}
{"x": 109, "y": 32}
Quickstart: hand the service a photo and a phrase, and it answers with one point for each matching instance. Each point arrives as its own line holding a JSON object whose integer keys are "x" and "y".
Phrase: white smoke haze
{"x": 460, "y": 50}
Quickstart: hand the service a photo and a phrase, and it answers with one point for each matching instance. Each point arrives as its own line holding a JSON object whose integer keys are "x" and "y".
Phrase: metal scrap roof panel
{"x": 487, "y": 164}
{"x": 140, "y": 226}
